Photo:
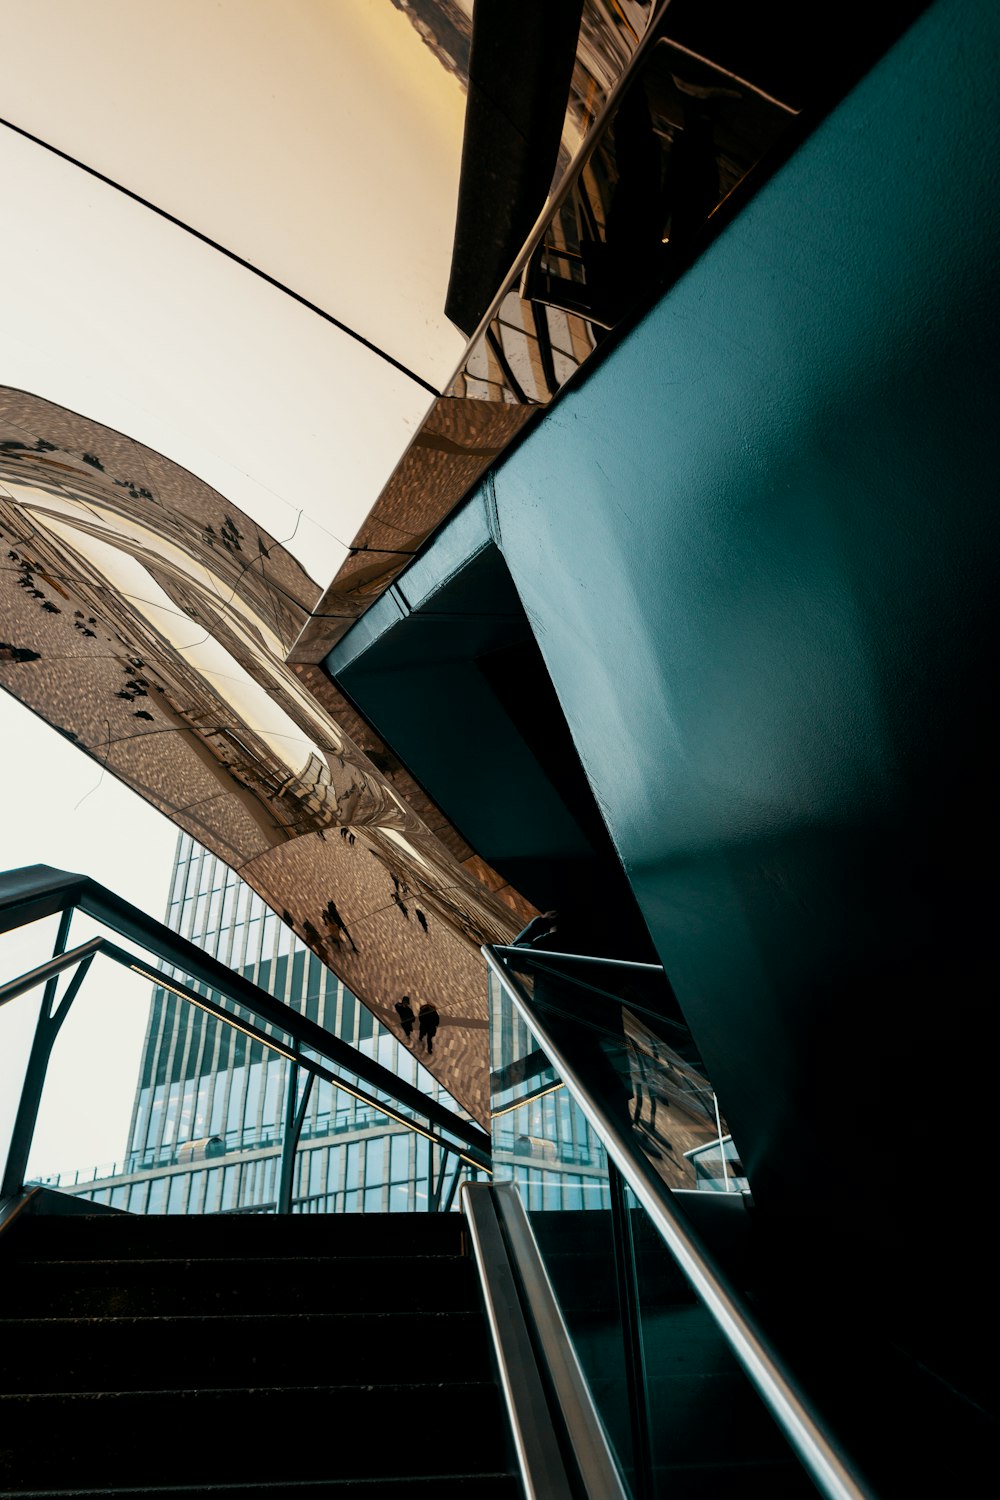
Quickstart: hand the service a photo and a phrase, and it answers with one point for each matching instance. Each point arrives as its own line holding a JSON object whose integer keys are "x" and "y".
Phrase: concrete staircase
{"x": 246, "y": 1355}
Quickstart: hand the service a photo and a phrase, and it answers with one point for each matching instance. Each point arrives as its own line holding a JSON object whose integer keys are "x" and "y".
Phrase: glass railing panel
{"x": 351, "y": 1102}
{"x": 176, "y": 978}
{"x": 622, "y": 1033}
{"x": 702, "y": 1413}
{"x": 543, "y": 1142}
{"x": 621, "y": 1037}
{"x": 155, "y": 1104}
{"x": 300, "y": 980}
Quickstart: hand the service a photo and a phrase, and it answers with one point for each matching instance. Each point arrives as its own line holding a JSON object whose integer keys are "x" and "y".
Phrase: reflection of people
{"x": 406, "y": 1017}
{"x": 429, "y": 1021}
{"x": 538, "y": 929}
{"x": 336, "y": 924}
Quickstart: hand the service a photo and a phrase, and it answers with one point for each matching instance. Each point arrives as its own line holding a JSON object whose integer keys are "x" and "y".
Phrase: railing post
{"x": 449, "y": 1200}
{"x": 289, "y": 1144}
{"x": 434, "y": 1201}
{"x": 34, "y": 1078}
{"x": 628, "y": 1302}
{"x": 294, "y": 1117}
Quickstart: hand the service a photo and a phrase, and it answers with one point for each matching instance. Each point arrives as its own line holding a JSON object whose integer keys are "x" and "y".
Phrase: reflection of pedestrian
{"x": 406, "y": 1017}
{"x": 313, "y": 938}
{"x": 336, "y": 924}
{"x": 429, "y": 1022}
{"x": 537, "y": 930}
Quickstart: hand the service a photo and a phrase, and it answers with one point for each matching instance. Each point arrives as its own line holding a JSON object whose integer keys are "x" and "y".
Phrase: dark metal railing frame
{"x": 31, "y": 894}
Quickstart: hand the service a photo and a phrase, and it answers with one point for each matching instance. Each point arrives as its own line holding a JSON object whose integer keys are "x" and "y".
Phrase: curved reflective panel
{"x": 673, "y": 143}
{"x": 459, "y": 439}
{"x": 643, "y": 169}
{"x": 148, "y": 620}
{"x": 675, "y": 113}
{"x": 321, "y": 151}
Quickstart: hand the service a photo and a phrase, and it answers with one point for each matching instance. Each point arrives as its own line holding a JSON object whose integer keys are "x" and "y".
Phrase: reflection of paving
{"x": 672, "y": 1108}
{"x": 392, "y": 956}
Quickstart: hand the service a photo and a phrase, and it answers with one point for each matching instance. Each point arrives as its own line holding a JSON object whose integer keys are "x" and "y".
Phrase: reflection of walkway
{"x": 673, "y": 1109}
{"x": 228, "y": 764}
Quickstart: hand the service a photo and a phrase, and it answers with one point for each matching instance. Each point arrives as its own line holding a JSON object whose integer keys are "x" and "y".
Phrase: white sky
{"x": 59, "y": 810}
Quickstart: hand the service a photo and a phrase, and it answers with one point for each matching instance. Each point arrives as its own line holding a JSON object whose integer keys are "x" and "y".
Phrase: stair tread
{"x": 490, "y": 1482}
{"x": 227, "y": 1260}
{"x": 263, "y": 1387}
{"x": 152, "y": 1237}
{"x": 115, "y": 1319}
{"x": 202, "y": 1286}
{"x": 105, "y": 1441}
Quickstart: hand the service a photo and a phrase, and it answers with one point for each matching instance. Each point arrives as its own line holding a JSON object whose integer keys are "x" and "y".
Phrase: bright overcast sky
{"x": 59, "y": 810}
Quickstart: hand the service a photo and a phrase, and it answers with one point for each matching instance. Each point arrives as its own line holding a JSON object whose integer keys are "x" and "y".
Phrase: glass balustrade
{"x": 162, "y": 1094}
{"x": 665, "y": 1380}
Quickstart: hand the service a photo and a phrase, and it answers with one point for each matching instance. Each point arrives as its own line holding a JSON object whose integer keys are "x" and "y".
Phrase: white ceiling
{"x": 319, "y": 141}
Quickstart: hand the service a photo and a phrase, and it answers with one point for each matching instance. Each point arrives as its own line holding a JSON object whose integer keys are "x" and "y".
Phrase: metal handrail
{"x": 30, "y": 894}
{"x": 587, "y": 1439}
{"x": 539, "y": 1459}
{"x": 576, "y": 958}
{"x": 50, "y": 969}
{"x": 37, "y": 891}
{"x": 800, "y": 1422}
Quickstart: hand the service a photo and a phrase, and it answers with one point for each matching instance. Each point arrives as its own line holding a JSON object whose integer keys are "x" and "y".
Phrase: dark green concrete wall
{"x": 758, "y": 546}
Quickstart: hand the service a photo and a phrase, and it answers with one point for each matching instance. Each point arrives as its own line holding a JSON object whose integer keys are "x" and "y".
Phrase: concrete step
{"x": 166, "y": 1288}
{"x": 249, "y": 1436}
{"x": 500, "y": 1486}
{"x": 174, "y": 1236}
{"x": 46, "y": 1355}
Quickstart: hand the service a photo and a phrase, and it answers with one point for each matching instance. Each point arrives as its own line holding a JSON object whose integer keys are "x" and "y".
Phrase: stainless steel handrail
{"x": 576, "y": 958}
{"x": 585, "y": 1433}
{"x": 543, "y": 1472}
{"x": 803, "y": 1427}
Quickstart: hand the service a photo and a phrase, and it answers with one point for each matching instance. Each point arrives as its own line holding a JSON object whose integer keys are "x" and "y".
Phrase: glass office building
{"x": 207, "y": 1121}
{"x": 208, "y": 1117}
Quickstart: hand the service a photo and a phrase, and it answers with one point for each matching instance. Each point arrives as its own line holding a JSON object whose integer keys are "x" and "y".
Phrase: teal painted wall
{"x": 758, "y": 547}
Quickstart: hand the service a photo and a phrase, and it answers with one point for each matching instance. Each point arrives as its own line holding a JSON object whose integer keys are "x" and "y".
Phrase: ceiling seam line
{"x": 229, "y": 254}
